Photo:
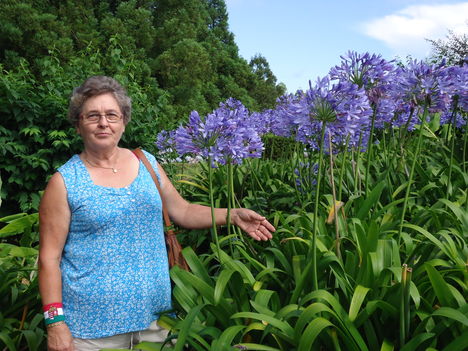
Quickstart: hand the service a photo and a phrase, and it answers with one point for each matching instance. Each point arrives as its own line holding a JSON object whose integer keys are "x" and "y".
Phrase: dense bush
{"x": 35, "y": 135}
{"x": 21, "y": 320}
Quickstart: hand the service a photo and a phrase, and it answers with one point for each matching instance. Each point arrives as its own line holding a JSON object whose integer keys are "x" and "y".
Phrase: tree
{"x": 264, "y": 89}
{"x": 35, "y": 135}
{"x": 174, "y": 56}
{"x": 454, "y": 49}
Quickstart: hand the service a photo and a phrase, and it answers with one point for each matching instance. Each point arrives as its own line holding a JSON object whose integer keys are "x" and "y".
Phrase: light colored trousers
{"x": 154, "y": 333}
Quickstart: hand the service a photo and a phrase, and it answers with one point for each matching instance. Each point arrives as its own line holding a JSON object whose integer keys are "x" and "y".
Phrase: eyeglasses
{"x": 94, "y": 117}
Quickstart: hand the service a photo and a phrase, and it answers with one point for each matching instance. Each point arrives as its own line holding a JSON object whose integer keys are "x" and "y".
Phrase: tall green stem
{"x": 230, "y": 194}
{"x": 335, "y": 211}
{"x": 452, "y": 149}
{"x": 387, "y": 158}
{"x": 413, "y": 165}
{"x": 316, "y": 206}
{"x": 213, "y": 217}
{"x": 406, "y": 273}
{"x": 358, "y": 164}
{"x": 465, "y": 143}
{"x": 370, "y": 143}
{"x": 344, "y": 158}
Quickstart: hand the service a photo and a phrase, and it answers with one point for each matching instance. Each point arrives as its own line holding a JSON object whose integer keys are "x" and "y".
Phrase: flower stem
{"x": 317, "y": 198}
{"x": 452, "y": 148}
{"x": 369, "y": 152}
{"x": 465, "y": 142}
{"x": 213, "y": 218}
{"x": 357, "y": 186}
{"x": 413, "y": 166}
{"x": 406, "y": 273}
{"x": 230, "y": 194}
{"x": 344, "y": 158}
{"x": 335, "y": 210}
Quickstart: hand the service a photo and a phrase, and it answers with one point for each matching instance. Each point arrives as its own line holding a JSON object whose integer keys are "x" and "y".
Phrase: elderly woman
{"x": 104, "y": 275}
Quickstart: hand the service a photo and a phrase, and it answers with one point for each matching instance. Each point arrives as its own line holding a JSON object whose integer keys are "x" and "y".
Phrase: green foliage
{"x": 35, "y": 135}
{"x": 20, "y": 318}
{"x": 173, "y": 56}
{"x": 264, "y": 89}
{"x": 260, "y": 295}
{"x": 391, "y": 269}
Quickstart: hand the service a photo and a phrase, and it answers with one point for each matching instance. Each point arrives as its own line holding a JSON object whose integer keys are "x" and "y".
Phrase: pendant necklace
{"x": 114, "y": 170}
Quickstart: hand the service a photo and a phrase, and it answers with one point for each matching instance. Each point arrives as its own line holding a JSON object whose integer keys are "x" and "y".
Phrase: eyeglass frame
{"x": 86, "y": 118}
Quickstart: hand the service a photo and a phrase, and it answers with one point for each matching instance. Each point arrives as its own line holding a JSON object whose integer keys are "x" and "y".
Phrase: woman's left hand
{"x": 252, "y": 223}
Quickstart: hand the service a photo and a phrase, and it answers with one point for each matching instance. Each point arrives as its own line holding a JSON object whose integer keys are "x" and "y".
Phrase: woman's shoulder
{"x": 71, "y": 163}
{"x": 73, "y": 171}
{"x": 151, "y": 158}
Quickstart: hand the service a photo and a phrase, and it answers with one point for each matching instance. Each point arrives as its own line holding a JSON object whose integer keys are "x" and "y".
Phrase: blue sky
{"x": 303, "y": 39}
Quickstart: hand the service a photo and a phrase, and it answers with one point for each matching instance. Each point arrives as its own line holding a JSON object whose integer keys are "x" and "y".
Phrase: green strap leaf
{"x": 249, "y": 346}
{"x": 281, "y": 325}
{"x": 460, "y": 343}
{"x": 223, "y": 279}
{"x": 441, "y": 287}
{"x": 356, "y": 302}
{"x": 414, "y": 343}
{"x": 185, "y": 327}
{"x": 311, "y": 332}
{"x": 387, "y": 346}
{"x": 224, "y": 342}
{"x": 452, "y": 314}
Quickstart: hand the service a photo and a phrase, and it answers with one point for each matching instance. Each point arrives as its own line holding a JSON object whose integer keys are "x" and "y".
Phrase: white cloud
{"x": 405, "y": 31}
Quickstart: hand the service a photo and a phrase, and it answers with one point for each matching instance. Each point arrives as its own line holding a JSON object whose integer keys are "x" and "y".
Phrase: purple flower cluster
{"x": 282, "y": 117}
{"x": 343, "y": 107}
{"x": 165, "y": 142}
{"x": 362, "y": 89}
{"x": 364, "y": 84}
{"x": 415, "y": 87}
{"x": 305, "y": 175}
{"x": 223, "y": 136}
{"x": 454, "y": 86}
{"x": 375, "y": 75}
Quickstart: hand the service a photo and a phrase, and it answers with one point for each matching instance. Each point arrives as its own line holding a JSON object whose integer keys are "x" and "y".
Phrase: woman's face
{"x": 101, "y": 122}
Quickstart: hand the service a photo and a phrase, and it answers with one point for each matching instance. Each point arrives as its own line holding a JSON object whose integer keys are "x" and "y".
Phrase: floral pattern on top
{"x": 115, "y": 273}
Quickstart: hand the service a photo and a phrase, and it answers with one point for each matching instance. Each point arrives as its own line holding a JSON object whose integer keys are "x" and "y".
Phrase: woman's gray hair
{"x": 94, "y": 86}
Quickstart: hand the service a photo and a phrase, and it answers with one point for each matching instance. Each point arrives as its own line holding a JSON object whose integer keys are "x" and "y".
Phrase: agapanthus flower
{"x": 281, "y": 118}
{"x": 261, "y": 121}
{"x": 344, "y": 107}
{"x": 224, "y": 135}
{"x": 375, "y": 75}
{"x": 454, "y": 85}
{"x": 305, "y": 176}
{"x": 165, "y": 143}
{"x": 458, "y": 119}
{"x": 417, "y": 86}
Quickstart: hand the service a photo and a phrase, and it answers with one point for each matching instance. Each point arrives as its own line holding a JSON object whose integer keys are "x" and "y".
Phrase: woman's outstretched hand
{"x": 252, "y": 223}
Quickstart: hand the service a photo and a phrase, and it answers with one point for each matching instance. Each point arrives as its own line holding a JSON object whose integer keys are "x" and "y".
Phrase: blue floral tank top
{"x": 115, "y": 274}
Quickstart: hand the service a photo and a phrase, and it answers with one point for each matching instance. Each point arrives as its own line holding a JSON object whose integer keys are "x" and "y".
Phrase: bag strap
{"x": 174, "y": 250}
{"x": 141, "y": 156}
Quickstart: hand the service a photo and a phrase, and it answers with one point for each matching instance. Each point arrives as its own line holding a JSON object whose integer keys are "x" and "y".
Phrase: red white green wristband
{"x": 53, "y": 313}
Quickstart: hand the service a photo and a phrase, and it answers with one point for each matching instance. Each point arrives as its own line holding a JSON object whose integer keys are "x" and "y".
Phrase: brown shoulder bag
{"x": 174, "y": 250}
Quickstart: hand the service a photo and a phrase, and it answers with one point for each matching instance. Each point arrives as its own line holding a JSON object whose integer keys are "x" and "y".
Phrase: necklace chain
{"x": 114, "y": 170}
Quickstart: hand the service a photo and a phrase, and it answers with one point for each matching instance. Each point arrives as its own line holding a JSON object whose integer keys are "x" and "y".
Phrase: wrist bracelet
{"x": 54, "y": 324}
{"x": 53, "y": 313}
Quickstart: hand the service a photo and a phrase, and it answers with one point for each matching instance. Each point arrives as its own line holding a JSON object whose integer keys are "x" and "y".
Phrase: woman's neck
{"x": 102, "y": 156}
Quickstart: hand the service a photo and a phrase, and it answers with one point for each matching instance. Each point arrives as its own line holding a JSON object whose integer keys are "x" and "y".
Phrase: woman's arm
{"x": 54, "y": 221}
{"x": 194, "y": 216}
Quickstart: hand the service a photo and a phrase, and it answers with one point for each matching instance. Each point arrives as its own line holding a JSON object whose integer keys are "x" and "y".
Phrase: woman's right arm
{"x": 54, "y": 221}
